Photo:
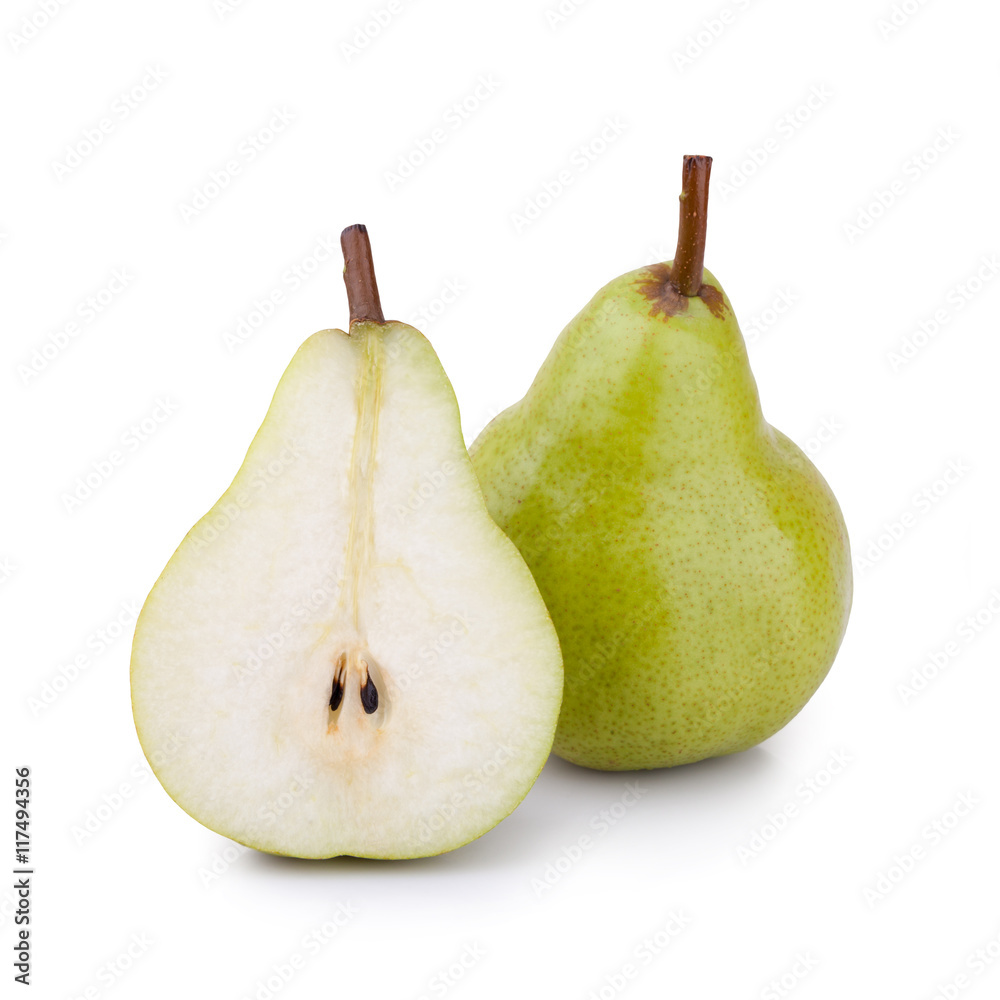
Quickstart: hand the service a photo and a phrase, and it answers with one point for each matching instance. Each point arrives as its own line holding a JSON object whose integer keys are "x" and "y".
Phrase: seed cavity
{"x": 356, "y": 670}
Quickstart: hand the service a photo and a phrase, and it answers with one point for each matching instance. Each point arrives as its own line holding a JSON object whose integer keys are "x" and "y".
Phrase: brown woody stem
{"x": 689, "y": 260}
{"x": 359, "y": 275}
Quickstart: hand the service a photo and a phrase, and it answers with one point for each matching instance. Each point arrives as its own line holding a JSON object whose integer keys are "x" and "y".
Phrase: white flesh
{"x": 354, "y": 540}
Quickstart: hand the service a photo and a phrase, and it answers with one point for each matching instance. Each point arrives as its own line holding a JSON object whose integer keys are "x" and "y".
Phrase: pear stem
{"x": 359, "y": 275}
{"x": 689, "y": 260}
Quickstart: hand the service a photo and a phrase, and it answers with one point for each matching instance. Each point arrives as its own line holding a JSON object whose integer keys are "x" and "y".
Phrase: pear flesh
{"x": 694, "y": 561}
{"x": 346, "y": 655}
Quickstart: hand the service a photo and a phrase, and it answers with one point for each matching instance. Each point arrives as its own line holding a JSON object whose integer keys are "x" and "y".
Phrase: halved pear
{"x": 346, "y": 655}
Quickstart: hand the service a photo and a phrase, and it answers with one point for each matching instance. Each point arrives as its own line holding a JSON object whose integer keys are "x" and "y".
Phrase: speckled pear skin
{"x": 694, "y": 561}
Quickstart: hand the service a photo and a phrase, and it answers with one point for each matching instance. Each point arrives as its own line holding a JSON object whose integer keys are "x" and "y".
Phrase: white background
{"x": 821, "y": 907}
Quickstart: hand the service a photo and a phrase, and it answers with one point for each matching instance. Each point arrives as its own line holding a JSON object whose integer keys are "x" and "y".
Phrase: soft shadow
{"x": 563, "y": 794}
{"x": 716, "y": 777}
{"x": 740, "y": 765}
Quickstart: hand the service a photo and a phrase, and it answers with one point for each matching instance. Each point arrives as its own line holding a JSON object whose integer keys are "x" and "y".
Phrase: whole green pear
{"x": 694, "y": 561}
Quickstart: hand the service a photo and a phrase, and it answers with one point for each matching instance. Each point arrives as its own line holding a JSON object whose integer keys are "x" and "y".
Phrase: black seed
{"x": 369, "y": 696}
{"x": 337, "y": 696}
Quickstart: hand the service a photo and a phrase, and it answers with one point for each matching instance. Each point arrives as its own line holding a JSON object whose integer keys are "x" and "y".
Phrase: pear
{"x": 694, "y": 561}
{"x": 346, "y": 655}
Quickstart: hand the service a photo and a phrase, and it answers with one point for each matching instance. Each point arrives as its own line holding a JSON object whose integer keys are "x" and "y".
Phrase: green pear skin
{"x": 695, "y": 563}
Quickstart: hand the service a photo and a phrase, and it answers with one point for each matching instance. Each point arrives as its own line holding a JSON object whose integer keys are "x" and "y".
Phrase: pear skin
{"x": 694, "y": 561}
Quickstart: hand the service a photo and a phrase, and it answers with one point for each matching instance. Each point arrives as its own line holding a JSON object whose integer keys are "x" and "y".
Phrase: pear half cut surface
{"x": 694, "y": 561}
{"x": 346, "y": 655}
